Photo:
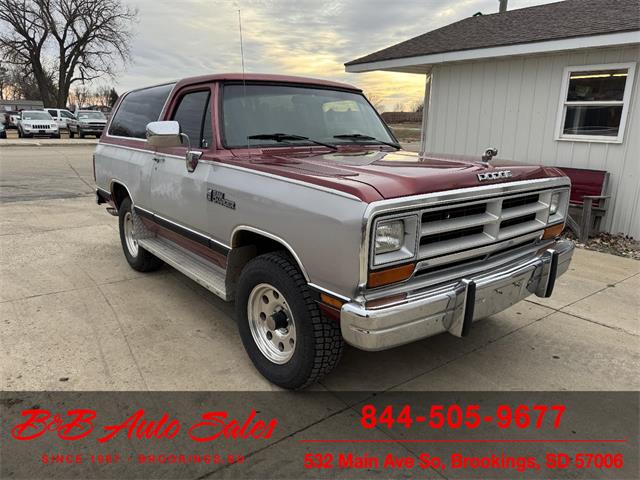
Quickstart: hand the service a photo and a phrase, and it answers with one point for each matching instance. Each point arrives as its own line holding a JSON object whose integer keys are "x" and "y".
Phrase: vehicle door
{"x": 66, "y": 117}
{"x": 55, "y": 114}
{"x": 177, "y": 194}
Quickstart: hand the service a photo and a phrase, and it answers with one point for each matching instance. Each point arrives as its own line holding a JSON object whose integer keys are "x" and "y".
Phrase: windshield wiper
{"x": 359, "y": 136}
{"x": 285, "y": 137}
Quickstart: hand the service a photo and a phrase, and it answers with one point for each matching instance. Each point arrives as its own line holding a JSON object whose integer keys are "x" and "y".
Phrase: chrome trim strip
{"x": 329, "y": 292}
{"x": 191, "y": 230}
{"x": 239, "y": 228}
{"x": 120, "y": 182}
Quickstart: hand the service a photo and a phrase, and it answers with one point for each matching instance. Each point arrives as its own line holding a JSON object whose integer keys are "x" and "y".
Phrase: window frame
{"x": 625, "y": 102}
{"x": 179, "y": 96}
{"x": 220, "y": 107}
{"x": 121, "y": 101}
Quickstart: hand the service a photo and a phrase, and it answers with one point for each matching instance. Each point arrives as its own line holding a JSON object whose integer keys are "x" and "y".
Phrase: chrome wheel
{"x": 132, "y": 243}
{"x": 271, "y": 323}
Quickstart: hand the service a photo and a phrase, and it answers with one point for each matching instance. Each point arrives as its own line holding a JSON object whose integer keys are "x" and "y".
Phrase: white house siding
{"x": 512, "y": 104}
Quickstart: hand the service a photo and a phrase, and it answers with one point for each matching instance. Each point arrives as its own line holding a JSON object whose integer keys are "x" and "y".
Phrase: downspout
{"x": 503, "y": 6}
{"x": 425, "y": 111}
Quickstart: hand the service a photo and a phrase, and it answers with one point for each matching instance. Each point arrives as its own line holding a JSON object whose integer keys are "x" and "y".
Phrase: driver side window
{"x": 194, "y": 115}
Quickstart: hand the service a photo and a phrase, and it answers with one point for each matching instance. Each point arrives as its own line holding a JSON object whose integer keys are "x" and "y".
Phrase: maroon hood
{"x": 369, "y": 174}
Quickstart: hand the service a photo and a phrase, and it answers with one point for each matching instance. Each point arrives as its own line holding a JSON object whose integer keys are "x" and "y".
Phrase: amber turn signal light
{"x": 332, "y": 302}
{"x": 390, "y": 275}
{"x": 553, "y": 232}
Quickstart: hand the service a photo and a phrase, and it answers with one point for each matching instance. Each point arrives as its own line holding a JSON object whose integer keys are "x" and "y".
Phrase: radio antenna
{"x": 244, "y": 81}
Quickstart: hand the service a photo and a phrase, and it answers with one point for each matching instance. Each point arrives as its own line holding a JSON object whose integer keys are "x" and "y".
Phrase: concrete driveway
{"x": 74, "y": 316}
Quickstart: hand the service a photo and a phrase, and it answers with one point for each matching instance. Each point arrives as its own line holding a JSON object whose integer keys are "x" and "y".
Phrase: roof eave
{"x": 423, "y": 63}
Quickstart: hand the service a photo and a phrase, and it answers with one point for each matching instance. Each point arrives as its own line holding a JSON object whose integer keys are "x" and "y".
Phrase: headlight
{"x": 394, "y": 240}
{"x": 389, "y": 236}
{"x": 554, "y": 204}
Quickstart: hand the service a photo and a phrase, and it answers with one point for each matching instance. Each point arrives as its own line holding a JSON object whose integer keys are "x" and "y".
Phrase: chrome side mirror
{"x": 164, "y": 134}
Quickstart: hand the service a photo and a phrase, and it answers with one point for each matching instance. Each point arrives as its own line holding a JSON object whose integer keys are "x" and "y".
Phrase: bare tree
{"x": 15, "y": 85}
{"x": 79, "y": 96}
{"x": 105, "y": 95}
{"x": 62, "y": 42}
{"x": 113, "y": 98}
{"x": 375, "y": 100}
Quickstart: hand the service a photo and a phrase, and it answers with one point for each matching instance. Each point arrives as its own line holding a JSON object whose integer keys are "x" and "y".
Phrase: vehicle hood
{"x": 392, "y": 174}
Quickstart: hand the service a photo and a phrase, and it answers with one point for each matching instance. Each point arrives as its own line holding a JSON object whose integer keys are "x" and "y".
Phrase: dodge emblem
{"x": 494, "y": 175}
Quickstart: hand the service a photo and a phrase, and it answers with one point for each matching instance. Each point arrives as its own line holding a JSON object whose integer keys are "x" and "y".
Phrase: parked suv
{"x": 87, "y": 122}
{"x": 37, "y": 123}
{"x": 292, "y": 197}
{"x": 61, "y": 116}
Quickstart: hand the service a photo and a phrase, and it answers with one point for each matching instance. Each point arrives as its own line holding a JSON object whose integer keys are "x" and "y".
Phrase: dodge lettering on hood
{"x": 291, "y": 197}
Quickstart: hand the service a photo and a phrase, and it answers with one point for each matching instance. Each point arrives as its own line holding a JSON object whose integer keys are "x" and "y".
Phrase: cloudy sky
{"x": 178, "y": 38}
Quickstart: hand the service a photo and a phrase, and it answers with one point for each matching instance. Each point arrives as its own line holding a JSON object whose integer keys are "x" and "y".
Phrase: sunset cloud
{"x": 299, "y": 37}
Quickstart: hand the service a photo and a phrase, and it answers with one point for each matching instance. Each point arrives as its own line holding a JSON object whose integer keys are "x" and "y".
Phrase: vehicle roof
{"x": 257, "y": 77}
{"x": 34, "y": 111}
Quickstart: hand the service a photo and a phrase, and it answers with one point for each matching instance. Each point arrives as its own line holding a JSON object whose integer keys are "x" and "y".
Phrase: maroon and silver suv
{"x": 292, "y": 197}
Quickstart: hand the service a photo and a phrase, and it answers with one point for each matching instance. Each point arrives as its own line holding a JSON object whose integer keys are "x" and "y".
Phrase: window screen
{"x": 138, "y": 109}
{"x": 194, "y": 116}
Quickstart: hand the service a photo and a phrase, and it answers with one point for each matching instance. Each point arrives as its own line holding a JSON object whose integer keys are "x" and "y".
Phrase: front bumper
{"x": 90, "y": 129}
{"x": 454, "y": 306}
{"x": 40, "y": 131}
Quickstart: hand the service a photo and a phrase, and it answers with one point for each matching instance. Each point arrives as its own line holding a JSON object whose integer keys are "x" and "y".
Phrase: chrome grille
{"x": 41, "y": 127}
{"x": 455, "y": 233}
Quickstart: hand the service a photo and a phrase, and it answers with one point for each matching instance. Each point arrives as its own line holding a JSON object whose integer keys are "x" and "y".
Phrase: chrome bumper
{"x": 453, "y": 307}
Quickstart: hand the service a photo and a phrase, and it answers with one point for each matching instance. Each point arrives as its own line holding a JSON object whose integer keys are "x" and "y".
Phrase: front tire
{"x": 287, "y": 339}
{"x": 71, "y": 134}
{"x": 137, "y": 257}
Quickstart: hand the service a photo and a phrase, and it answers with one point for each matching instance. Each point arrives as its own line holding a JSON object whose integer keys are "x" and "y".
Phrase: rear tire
{"x": 288, "y": 340}
{"x": 137, "y": 257}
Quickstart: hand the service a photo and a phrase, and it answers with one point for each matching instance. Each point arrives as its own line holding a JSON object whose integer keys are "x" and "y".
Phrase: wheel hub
{"x": 271, "y": 323}
{"x": 132, "y": 243}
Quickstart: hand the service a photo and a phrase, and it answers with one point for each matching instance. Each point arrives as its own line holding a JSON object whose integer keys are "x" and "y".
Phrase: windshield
{"x": 316, "y": 113}
{"x": 91, "y": 116}
{"x": 36, "y": 116}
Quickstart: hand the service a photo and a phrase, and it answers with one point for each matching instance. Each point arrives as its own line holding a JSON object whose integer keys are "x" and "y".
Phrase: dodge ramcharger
{"x": 293, "y": 198}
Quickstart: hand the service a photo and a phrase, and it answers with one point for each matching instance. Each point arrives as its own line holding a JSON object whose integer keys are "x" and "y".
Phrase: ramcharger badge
{"x": 216, "y": 196}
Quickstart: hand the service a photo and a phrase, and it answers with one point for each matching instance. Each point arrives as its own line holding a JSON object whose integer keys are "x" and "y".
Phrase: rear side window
{"x": 53, "y": 113}
{"x": 137, "y": 110}
{"x": 194, "y": 116}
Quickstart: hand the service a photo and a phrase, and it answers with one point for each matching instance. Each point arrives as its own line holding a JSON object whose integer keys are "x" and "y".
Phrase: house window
{"x": 594, "y": 102}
